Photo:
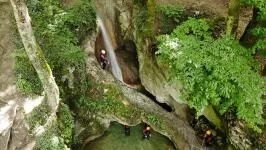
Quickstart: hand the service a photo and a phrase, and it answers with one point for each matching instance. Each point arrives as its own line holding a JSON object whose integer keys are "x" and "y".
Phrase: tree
{"x": 35, "y": 53}
{"x": 220, "y": 73}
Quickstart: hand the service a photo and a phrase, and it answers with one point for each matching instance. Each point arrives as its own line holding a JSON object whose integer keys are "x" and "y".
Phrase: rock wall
{"x": 14, "y": 133}
{"x": 172, "y": 126}
{"x": 8, "y": 94}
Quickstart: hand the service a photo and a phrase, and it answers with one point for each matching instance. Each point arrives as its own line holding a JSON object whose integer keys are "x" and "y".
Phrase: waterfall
{"x": 110, "y": 51}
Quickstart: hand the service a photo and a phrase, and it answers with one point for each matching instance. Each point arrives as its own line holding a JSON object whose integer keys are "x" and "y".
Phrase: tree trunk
{"x": 35, "y": 53}
{"x": 247, "y": 38}
{"x": 211, "y": 115}
{"x": 233, "y": 17}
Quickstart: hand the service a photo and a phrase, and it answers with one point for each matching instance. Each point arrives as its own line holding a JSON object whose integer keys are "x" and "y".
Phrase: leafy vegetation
{"x": 145, "y": 17}
{"x": 81, "y": 18}
{"x": 261, "y": 5}
{"x": 65, "y": 123}
{"x": 259, "y": 29}
{"x": 59, "y": 32}
{"x": 37, "y": 117}
{"x": 154, "y": 120}
{"x": 219, "y": 72}
{"x": 27, "y": 78}
{"x": 59, "y": 134}
{"x": 106, "y": 99}
{"x": 169, "y": 17}
{"x": 50, "y": 140}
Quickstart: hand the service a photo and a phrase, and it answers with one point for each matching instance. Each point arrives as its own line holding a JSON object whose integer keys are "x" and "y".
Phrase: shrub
{"x": 58, "y": 33}
{"x": 38, "y": 116}
{"x": 219, "y": 72}
{"x": 169, "y": 17}
{"x": 109, "y": 102}
{"x": 49, "y": 141}
{"x": 65, "y": 123}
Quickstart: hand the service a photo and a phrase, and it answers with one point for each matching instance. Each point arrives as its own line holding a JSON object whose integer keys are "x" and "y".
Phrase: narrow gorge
{"x": 189, "y": 73}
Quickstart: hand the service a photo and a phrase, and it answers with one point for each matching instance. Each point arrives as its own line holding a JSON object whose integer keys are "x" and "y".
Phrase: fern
{"x": 213, "y": 72}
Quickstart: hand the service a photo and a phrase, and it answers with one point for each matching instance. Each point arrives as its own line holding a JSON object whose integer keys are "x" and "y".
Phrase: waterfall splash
{"x": 110, "y": 51}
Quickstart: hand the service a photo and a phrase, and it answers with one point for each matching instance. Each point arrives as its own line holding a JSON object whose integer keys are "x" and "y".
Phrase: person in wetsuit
{"x": 103, "y": 59}
{"x": 146, "y": 132}
{"x": 127, "y": 130}
{"x": 208, "y": 138}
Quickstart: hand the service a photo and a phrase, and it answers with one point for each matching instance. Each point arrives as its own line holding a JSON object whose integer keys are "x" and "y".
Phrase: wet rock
{"x": 238, "y": 137}
{"x": 179, "y": 132}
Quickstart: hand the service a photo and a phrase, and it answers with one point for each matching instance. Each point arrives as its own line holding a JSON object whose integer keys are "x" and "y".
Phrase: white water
{"x": 110, "y": 51}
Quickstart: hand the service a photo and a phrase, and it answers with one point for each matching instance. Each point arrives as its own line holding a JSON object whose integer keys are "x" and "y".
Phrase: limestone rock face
{"x": 238, "y": 137}
{"x": 13, "y": 130}
{"x": 9, "y": 97}
{"x": 117, "y": 15}
{"x": 179, "y": 132}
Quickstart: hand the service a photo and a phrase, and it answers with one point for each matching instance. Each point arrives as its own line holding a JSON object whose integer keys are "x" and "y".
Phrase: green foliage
{"x": 154, "y": 120}
{"x": 260, "y": 4}
{"x": 50, "y": 141}
{"x": 27, "y": 78}
{"x": 58, "y": 32}
{"x": 219, "y": 72}
{"x": 145, "y": 17}
{"x": 141, "y": 16}
{"x": 140, "y": 2}
{"x": 171, "y": 11}
{"x": 37, "y": 117}
{"x": 65, "y": 123}
{"x": 169, "y": 16}
{"x": 260, "y": 30}
{"x": 52, "y": 26}
{"x": 60, "y": 132}
{"x": 106, "y": 102}
{"x": 81, "y": 18}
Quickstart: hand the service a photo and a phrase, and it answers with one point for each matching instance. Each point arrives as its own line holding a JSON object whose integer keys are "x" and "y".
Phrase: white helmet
{"x": 103, "y": 51}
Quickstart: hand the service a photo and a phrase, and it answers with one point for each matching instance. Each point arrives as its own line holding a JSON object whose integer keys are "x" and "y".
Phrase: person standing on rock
{"x": 103, "y": 59}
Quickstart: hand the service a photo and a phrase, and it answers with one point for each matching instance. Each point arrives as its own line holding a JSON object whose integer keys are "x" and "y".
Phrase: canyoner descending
{"x": 115, "y": 68}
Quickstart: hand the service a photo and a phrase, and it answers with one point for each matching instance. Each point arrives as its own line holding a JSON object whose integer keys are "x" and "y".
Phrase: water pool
{"x": 115, "y": 139}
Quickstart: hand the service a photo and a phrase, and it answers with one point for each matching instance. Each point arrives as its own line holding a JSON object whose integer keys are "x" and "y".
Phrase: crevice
{"x": 153, "y": 98}
{"x": 127, "y": 57}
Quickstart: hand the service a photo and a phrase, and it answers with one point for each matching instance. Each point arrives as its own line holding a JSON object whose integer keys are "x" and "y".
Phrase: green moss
{"x": 43, "y": 61}
{"x": 145, "y": 18}
{"x": 149, "y": 27}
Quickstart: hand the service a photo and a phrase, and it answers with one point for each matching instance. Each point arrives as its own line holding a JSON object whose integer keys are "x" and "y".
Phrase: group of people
{"x": 146, "y": 132}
